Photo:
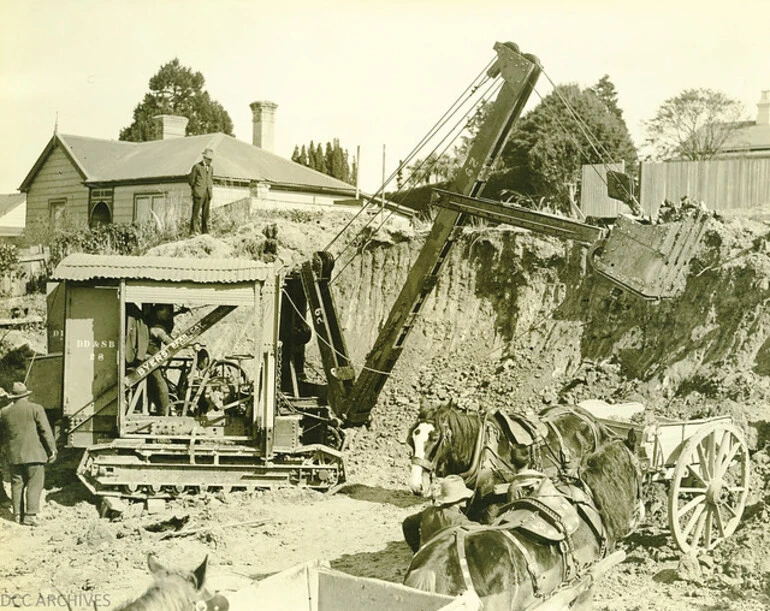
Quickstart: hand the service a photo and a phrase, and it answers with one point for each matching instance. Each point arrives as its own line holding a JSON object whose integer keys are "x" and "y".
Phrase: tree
{"x": 607, "y": 93}
{"x": 434, "y": 168}
{"x": 353, "y": 172}
{"x": 311, "y": 159}
{"x": 693, "y": 125}
{"x": 177, "y": 90}
{"x": 331, "y": 159}
{"x": 320, "y": 161}
{"x": 549, "y": 146}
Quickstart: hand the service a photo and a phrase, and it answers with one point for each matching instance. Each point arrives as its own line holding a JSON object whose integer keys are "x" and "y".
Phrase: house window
{"x": 100, "y": 215}
{"x": 100, "y": 207}
{"x": 150, "y": 206}
{"x": 56, "y": 212}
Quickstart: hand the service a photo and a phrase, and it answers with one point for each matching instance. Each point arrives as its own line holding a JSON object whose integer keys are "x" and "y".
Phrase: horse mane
{"x": 464, "y": 429}
{"x": 612, "y": 474}
{"x": 173, "y": 590}
{"x": 170, "y": 594}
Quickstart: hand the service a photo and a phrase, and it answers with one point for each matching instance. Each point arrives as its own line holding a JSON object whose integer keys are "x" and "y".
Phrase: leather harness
{"x": 537, "y": 518}
{"x": 530, "y": 431}
{"x": 540, "y": 520}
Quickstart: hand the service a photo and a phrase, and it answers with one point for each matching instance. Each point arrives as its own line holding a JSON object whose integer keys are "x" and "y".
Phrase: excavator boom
{"x": 520, "y": 73}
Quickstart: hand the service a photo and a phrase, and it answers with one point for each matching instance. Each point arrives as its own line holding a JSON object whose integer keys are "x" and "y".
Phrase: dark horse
{"x": 176, "y": 591}
{"x": 540, "y": 541}
{"x": 488, "y": 449}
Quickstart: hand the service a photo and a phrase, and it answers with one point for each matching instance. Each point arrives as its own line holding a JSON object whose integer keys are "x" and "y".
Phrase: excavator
{"x": 249, "y": 419}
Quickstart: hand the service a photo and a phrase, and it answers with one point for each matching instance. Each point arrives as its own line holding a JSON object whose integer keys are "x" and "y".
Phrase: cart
{"x": 314, "y": 586}
{"x": 706, "y": 462}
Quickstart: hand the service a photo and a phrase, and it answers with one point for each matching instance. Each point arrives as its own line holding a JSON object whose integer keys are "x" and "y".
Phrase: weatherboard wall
{"x": 57, "y": 179}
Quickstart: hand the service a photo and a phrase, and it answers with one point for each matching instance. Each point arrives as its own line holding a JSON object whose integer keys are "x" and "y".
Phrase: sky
{"x": 372, "y": 73}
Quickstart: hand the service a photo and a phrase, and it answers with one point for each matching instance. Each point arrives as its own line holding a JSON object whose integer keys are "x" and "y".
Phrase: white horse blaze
{"x": 419, "y": 480}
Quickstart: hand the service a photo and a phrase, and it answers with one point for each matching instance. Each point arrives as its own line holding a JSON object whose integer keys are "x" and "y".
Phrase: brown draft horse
{"x": 512, "y": 564}
{"x": 488, "y": 449}
{"x": 176, "y": 591}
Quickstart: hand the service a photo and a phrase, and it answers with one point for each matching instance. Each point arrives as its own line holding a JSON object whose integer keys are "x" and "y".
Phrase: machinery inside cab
{"x": 176, "y": 373}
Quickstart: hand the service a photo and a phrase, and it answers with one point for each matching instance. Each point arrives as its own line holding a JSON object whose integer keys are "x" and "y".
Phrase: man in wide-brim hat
{"x": 450, "y": 497}
{"x": 28, "y": 444}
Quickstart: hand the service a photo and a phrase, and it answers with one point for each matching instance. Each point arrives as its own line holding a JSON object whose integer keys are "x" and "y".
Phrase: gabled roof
{"x": 9, "y": 201}
{"x": 748, "y": 137}
{"x": 82, "y": 267}
{"x": 112, "y": 161}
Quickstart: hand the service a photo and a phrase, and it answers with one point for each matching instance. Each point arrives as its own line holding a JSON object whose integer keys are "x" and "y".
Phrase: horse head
{"x": 176, "y": 590}
{"x": 424, "y": 439}
{"x": 442, "y": 442}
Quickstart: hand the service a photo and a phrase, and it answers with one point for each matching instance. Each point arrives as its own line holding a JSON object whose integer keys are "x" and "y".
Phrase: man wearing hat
{"x": 28, "y": 444}
{"x": 202, "y": 185}
{"x": 450, "y": 497}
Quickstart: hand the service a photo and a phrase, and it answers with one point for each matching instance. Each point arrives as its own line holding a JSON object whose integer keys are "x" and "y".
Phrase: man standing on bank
{"x": 28, "y": 444}
{"x": 202, "y": 185}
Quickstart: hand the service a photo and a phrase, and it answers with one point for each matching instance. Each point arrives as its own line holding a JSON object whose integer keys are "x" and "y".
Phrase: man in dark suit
{"x": 202, "y": 184}
{"x": 4, "y": 498}
{"x": 28, "y": 444}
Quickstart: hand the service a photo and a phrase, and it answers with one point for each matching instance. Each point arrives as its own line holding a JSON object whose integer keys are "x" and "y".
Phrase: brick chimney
{"x": 263, "y": 117}
{"x": 763, "y": 108}
{"x": 171, "y": 126}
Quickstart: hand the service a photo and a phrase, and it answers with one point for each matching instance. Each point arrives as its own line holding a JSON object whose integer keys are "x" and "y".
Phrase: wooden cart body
{"x": 314, "y": 586}
{"x": 706, "y": 462}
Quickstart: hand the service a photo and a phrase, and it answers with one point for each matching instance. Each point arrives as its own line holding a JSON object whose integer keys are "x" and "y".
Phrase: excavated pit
{"x": 518, "y": 321}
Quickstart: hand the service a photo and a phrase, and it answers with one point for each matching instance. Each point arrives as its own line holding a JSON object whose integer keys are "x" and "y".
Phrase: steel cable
{"x": 477, "y": 82}
{"x": 491, "y": 91}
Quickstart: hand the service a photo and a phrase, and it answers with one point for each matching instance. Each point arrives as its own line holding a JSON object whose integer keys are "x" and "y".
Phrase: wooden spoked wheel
{"x": 709, "y": 488}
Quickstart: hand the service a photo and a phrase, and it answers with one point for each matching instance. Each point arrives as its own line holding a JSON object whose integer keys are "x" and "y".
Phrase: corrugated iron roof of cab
{"x": 81, "y": 267}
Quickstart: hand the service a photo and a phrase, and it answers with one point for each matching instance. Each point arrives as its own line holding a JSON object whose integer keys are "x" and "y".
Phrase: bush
{"x": 9, "y": 259}
{"x": 112, "y": 239}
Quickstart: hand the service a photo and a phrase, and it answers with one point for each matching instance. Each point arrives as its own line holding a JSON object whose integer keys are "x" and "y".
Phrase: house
{"x": 13, "y": 208}
{"x": 751, "y": 138}
{"x": 96, "y": 181}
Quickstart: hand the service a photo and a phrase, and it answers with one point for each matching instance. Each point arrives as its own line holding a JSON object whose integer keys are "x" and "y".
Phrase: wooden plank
{"x": 672, "y": 436}
{"x": 735, "y": 186}
{"x": 593, "y": 191}
{"x": 341, "y": 591}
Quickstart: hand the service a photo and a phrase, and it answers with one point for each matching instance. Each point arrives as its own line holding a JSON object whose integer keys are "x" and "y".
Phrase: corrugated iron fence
{"x": 729, "y": 186}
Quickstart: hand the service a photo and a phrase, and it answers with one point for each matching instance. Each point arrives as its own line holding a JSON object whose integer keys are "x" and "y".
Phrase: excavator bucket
{"x": 651, "y": 261}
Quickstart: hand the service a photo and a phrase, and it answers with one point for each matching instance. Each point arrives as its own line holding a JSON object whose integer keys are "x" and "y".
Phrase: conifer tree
{"x": 311, "y": 158}
{"x": 320, "y": 162}
{"x": 330, "y": 159}
{"x": 178, "y": 90}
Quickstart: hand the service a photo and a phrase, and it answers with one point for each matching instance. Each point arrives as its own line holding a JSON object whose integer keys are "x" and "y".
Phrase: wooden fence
{"x": 593, "y": 191}
{"x": 32, "y": 263}
{"x": 732, "y": 187}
